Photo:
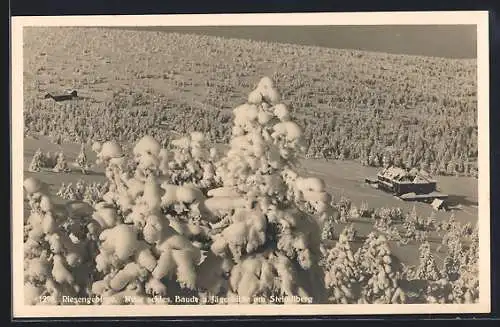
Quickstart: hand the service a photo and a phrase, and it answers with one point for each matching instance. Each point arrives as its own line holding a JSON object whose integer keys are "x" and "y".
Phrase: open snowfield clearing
{"x": 347, "y": 178}
{"x": 54, "y": 180}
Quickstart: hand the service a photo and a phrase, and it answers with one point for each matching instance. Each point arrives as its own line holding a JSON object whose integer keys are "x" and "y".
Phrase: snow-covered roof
{"x": 414, "y": 175}
{"x": 393, "y": 173}
{"x": 424, "y": 176}
{"x": 421, "y": 179}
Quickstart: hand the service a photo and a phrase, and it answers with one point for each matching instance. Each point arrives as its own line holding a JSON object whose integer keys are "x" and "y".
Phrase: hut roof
{"x": 393, "y": 173}
{"x": 400, "y": 174}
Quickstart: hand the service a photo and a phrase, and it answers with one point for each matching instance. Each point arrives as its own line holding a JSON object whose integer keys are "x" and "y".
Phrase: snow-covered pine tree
{"x": 328, "y": 232}
{"x": 344, "y": 208}
{"x": 94, "y": 193}
{"x": 413, "y": 216}
{"x": 438, "y": 291}
{"x": 353, "y": 213}
{"x": 36, "y": 162}
{"x": 431, "y": 221}
{"x": 79, "y": 189}
{"x": 466, "y": 287}
{"x": 467, "y": 230}
{"x": 452, "y": 233}
{"x": 341, "y": 275}
{"x": 189, "y": 160}
{"x": 62, "y": 164}
{"x": 364, "y": 210}
{"x": 62, "y": 189}
{"x": 379, "y": 272}
{"x": 268, "y": 217}
{"x": 81, "y": 160}
{"x": 410, "y": 226}
{"x": 451, "y": 223}
{"x": 452, "y": 261}
{"x": 427, "y": 268}
{"x": 350, "y": 233}
{"x": 472, "y": 251}
{"x": 67, "y": 192}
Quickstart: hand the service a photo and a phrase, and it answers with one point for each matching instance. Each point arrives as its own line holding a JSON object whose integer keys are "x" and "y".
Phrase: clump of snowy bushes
{"x": 56, "y": 162}
{"x": 456, "y": 282}
{"x": 83, "y": 191}
{"x": 149, "y": 227}
{"x": 189, "y": 160}
{"x": 370, "y": 275}
{"x": 59, "y": 247}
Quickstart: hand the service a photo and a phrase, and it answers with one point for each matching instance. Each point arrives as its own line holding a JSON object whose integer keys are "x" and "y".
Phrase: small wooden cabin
{"x": 62, "y": 97}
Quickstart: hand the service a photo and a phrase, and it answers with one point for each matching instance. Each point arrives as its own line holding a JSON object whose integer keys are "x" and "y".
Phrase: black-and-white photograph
{"x": 217, "y": 166}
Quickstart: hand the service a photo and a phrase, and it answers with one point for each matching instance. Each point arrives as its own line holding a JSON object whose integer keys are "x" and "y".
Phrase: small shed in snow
{"x": 62, "y": 96}
{"x": 439, "y": 204}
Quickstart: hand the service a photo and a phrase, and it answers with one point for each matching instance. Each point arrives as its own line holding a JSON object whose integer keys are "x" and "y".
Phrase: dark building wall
{"x": 404, "y": 188}
{"x": 385, "y": 187}
{"x": 416, "y": 188}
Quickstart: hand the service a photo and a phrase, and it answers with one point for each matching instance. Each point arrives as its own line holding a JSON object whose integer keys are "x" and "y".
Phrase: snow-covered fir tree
{"x": 364, "y": 210}
{"x": 439, "y": 292}
{"x": 341, "y": 276}
{"x": 274, "y": 216}
{"x": 379, "y": 271}
{"x": 349, "y": 233}
{"x": 452, "y": 261}
{"x": 62, "y": 189}
{"x": 466, "y": 287}
{"x": 94, "y": 193}
{"x": 82, "y": 161}
{"x": 427, "y": 268}
{"x": 36, "y": 162}
{"x": 452, "y": 234}
{"x": 61, "y": 164}
{"x": 67, "y": 192}
{"x": 328, "y": 232}
{"x": 149, "y": 240}
{"x": 410, "y": 226}
{"x": 450, "y": 224}
{"x": 431, "y": 221}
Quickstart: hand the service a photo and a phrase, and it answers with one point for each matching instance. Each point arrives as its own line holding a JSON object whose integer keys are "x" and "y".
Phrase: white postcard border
{"x": 479, "y": 18}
